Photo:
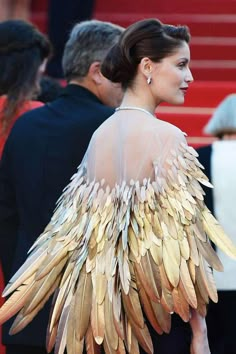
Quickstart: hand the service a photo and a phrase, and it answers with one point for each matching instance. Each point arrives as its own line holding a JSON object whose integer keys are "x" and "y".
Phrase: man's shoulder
{"x": 37, "y": 111}
{"x": 106, "y": 110}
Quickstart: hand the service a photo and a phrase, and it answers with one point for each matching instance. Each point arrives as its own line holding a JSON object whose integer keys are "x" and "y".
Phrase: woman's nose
{"x": 189, "y": 76}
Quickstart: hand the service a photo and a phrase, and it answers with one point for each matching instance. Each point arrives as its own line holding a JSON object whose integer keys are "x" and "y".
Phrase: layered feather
{"x": 116, "y": 256}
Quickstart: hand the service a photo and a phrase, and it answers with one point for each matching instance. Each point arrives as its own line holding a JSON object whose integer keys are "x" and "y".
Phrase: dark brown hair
{"x": 22, "y": 50}
{"x": 147, "y": 38}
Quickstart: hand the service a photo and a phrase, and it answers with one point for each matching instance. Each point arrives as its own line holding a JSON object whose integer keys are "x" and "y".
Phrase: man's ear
{"x": 95, "y": 72}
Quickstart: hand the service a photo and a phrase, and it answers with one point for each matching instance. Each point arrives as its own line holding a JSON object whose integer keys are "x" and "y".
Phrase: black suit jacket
{"x": 205, "y": 159}
{"x": 41, "y": 154}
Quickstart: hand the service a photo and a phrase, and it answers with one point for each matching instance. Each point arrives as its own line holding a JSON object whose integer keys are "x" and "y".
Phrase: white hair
{"x": 224, "y": 117}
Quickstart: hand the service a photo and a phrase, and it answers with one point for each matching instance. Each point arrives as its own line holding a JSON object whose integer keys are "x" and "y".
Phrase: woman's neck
{"x": 133, "y": 99}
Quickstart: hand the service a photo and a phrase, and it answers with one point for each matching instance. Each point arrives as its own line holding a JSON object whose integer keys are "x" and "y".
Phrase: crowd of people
{"x": 130, "y": 233}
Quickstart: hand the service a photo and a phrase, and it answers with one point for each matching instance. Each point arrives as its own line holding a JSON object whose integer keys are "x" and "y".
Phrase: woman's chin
{"x": 176, "y": 101}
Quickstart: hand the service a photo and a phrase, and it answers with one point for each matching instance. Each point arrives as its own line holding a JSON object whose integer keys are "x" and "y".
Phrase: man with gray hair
{"x": 43, "y": 151}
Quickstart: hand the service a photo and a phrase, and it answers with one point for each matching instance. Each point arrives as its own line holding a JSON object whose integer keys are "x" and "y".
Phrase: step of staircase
{"x": 213, "y": 38}
{"x": 191, "y": 123}
{"x": 40, "y": 19}
{"x": 208, "y": 93}
{"x": 200, "y": 24}
{"x": 213, "y": 48}
{"x": 39, "y": 6}
{"x": 169, "y": 7}
{"x": 208, "y": 70}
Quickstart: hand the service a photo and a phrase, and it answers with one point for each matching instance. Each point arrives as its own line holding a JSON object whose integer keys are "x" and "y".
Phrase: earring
{"x": 149, "y": 80}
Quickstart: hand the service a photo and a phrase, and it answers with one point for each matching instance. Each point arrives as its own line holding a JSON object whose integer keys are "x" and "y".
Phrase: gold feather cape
{"x": 129, "y": 240}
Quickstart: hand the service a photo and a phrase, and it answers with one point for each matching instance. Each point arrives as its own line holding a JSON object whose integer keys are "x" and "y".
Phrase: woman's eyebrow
{"x": 184, "y": 59}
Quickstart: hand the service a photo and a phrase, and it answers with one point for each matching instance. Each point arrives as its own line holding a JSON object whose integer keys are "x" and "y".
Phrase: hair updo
{"x": 147, "y": 38}
{"x": 22, "y": 50}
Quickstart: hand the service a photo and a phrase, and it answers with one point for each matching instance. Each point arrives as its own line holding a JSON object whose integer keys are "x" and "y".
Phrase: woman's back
{"x": 125, "y": 147}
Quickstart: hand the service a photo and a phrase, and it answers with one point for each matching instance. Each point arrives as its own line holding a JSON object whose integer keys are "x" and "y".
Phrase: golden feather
{"x": 74, "y": 345}
{"x": 91, "y": 346}
{"x": 82, "y": 303}
{"x": 181, "y": 305}
{"x": 23, "y": 319}
{"x": 16, "y": 301}
{"x": 150, "y": 313}
{"x": 217, "y": 234}
{"x": 149, "y": 276}
{"x": 43, "y": 287}
{"x": 25, "y": 271}
{"x": 115, "y": 256}
{"x": 208, "y": 280}
{"x": 144, "y": 338}
{"x": 200, "y": 285}
{"x": 110, "y": 329}
{"x": 186, "y": 284}
{"x": 132, "y": 307}
{"x": 97, "y": 321}
{"x": 134, "y": 347}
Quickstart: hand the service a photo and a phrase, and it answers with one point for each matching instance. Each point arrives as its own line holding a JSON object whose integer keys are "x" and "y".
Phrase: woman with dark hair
{"x": 23, "y": 55}
{"x": 126, "y": 252}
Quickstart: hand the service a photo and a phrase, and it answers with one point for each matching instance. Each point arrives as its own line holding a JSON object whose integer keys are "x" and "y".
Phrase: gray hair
{"x": 89, "y": 41}
{"x": 224, "y": 117}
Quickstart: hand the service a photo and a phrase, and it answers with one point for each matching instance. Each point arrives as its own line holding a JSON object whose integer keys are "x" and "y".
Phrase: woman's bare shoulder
{"x": 167, "y": 129}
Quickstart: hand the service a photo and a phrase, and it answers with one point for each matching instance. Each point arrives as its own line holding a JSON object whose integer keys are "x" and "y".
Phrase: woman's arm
{"x": 199, "y": 344}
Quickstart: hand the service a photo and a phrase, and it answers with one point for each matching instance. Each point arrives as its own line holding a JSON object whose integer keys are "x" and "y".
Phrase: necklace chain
{"x": 134, "y": 108}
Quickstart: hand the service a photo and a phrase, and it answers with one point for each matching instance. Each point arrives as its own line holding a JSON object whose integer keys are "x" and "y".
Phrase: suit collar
{"x": 80, "y": 92}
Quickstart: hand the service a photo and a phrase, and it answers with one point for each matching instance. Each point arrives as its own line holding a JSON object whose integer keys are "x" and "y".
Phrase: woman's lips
{"x": 184, "y": 89}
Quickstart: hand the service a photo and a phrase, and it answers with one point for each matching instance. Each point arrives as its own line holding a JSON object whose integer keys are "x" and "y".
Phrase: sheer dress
{"x": 127, "y": 247}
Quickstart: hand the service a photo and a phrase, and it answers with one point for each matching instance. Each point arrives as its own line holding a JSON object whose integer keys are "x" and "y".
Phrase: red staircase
{"x": 39, "y": 9}
{"x": 213, "y": 50}
{"x": 212, "y": 25}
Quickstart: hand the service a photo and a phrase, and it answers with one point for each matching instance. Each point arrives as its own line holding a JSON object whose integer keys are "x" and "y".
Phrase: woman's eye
{"x": 181, "y": 65}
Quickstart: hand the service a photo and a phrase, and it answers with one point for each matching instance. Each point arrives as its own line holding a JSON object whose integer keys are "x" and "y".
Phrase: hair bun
{"x": 147, "y": 38}
{"x": 117, "y": 66}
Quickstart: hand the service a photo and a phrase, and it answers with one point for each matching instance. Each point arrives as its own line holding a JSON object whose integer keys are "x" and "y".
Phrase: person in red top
{"x": 23, "y": 55}
{"x": 28, "y": 105}
{"x": 24, "y": 52}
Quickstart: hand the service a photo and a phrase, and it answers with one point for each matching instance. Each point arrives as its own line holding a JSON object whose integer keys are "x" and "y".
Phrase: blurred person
{"x": 127, "y": 250}
{"x": 15, "y": 9}
{"x": 50, "y": 89}
{"x": 23, "y": 55}
{"x": 219, "y": 162}
{"x": 62, "y": 16}
{"x": 44, "y": 149}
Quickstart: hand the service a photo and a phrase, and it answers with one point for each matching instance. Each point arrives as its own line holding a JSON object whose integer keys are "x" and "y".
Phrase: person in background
{"x": 24, "y": 52}
{"x": 14, "y": 9}
{"x": 219, "y": 162}
{"x": 62, "y": 16}
{"x": 44, "y": 149}
{"x": 50, "y": 89}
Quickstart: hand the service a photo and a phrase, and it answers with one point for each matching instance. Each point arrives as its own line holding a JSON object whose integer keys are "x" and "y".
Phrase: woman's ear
{"x": 95, "y": 72}
{"x": 146, "y": 66}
